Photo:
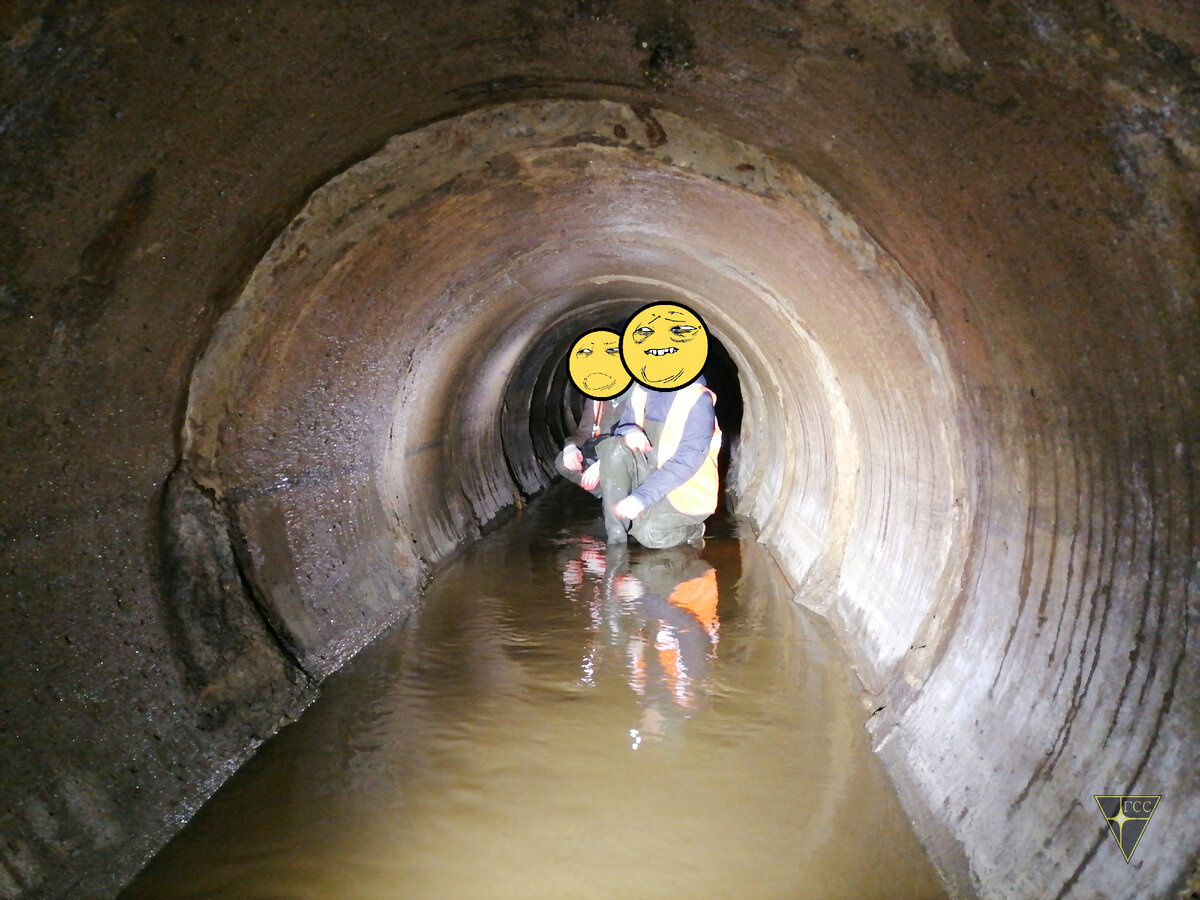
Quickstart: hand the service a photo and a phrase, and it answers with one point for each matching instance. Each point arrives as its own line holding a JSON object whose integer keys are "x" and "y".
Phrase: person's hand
{"x": 635, "y": 439}
{"x": 629, "y": 508}
{"x": 572, "y": 458}
{"x": 591, "y": 477}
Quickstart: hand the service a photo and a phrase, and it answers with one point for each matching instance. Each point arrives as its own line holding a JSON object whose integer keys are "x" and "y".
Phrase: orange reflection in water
{"x": 660, "y": 609}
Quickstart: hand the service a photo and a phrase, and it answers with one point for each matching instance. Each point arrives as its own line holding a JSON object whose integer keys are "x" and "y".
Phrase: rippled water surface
{"x": 562, "y": 720}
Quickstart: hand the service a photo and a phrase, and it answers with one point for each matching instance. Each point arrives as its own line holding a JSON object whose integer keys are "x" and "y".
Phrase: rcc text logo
{"x": 1136, "y": 807}
{"x": 1127, "y": 817}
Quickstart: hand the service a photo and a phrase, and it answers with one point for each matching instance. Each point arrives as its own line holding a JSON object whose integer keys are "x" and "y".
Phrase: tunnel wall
{"x": 400, "y": 308}
{"x": 1030, "y": 169}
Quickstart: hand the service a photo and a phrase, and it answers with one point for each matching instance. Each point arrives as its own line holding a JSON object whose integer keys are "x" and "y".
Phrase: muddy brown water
{"x": 563, "y": 720}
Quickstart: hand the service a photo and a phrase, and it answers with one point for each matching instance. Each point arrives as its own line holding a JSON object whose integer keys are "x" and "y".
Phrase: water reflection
{"x": 561, "y": 720}
{"x": 659, "y": 614}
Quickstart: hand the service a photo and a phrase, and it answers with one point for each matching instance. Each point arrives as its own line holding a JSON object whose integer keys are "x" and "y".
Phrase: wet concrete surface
{"x": 564, "y": 719}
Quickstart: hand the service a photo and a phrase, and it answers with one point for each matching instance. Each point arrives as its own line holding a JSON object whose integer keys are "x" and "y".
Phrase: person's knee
{"x": 656, "y": 540}
{"x": 571, "y": 475}
{"x": 660, "y": 532}
{"x": 647, "y": 531}
{"x": 612, "y": 451}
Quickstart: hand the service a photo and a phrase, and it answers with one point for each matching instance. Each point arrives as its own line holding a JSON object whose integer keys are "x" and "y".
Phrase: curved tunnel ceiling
{"x": 369, "y": 398}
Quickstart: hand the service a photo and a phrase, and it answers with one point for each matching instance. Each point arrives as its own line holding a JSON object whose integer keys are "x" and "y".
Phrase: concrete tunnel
{"x": 287, "y": 289}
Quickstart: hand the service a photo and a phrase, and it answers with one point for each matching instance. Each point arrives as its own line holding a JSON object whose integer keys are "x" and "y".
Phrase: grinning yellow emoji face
{"x": 664, "y": 346}
{"x": 594, "y": 364}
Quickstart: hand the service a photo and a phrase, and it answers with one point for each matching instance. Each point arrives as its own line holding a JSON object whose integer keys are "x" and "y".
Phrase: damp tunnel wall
{"x": 287, "y": 335}
{"x": 403, "y": 343}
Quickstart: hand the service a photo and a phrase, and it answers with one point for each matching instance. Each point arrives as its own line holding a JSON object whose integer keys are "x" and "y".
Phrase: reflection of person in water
{"x": 669, "y": 654}
{"x": 596, "y": 579}
{"x": 653, "y": 617}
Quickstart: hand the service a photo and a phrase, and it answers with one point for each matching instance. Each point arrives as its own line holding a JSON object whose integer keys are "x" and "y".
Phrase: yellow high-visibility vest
{"x": 698, "y": 495}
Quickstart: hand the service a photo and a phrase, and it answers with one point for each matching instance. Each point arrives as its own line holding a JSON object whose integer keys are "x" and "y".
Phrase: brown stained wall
{"x": 1030, "y": 166}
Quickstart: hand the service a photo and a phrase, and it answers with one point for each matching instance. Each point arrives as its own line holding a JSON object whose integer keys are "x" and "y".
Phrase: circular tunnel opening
{"x": 390, "y": 380}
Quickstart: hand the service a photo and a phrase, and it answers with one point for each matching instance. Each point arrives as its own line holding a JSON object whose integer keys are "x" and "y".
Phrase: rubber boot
{"x": 617, "y": 474}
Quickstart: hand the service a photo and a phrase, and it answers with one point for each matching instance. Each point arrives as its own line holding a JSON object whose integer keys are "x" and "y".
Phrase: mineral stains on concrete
{"x": 562, "y": 719}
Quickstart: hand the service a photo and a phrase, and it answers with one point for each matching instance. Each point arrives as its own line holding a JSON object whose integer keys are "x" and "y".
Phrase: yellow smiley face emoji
{"x": 664, "y": 346}
{"x": 594, "y": 364}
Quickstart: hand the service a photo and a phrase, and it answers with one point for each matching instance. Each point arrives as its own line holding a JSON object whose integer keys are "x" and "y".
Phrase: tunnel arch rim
{"x": 291, "y": 258}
